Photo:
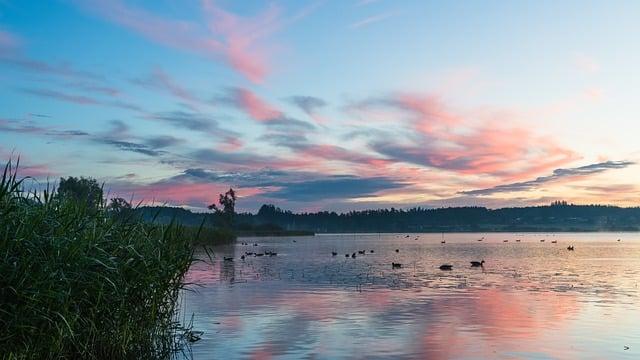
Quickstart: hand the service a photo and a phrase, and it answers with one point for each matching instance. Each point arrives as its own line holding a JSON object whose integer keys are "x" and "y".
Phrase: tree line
{"x": 558, "y": 216}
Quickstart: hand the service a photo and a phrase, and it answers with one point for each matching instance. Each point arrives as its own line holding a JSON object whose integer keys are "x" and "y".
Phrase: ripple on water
{"x": 532, "y": 299}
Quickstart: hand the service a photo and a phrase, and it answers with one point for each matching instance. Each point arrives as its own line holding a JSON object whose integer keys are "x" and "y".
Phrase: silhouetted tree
{"x": 81, "y": 190}
{"x": 227, "y": 209}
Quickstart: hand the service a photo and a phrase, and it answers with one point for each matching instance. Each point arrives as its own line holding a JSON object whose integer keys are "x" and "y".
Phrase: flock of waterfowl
{"x": 394, "y": 265}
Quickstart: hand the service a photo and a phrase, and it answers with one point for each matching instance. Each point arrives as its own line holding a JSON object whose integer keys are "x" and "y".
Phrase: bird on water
{"x": 477, "y": 263}
{"x": 446, "y": 267}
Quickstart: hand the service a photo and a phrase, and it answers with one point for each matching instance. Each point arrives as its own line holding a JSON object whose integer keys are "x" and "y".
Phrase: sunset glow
{"x": 326, "y": 105}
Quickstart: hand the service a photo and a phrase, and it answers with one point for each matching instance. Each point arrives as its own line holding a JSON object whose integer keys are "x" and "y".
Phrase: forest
{"x": 558, "y": 216}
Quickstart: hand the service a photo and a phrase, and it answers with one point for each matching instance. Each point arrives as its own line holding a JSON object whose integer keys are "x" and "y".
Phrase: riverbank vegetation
{"x": 80, "y": 280}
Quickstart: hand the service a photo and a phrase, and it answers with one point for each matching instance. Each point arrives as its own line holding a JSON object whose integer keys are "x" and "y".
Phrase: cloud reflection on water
{"x": 463, "y": 314}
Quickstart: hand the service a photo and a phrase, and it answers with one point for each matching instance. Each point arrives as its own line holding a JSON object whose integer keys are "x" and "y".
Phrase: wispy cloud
{"x": 80, "y": 99}
{"x": 310, "y": 105}
{"x": 477, "y": 142}
{"x": 557, "y": 174}
{"x": 160, "y": 80}
{"x": 250, "y": 103}
{"x": 198, "y": 122}
{"x": 372, "y": 20}
{"x": 243, "y": 42}
{"x": 268, "y": 185}
{"x": 58, "y": 95}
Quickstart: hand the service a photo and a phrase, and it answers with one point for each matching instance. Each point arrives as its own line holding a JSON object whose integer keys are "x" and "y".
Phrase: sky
{"x": 327, "y": 104}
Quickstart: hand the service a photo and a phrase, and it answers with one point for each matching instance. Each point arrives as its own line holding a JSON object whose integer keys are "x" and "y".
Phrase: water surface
{"x": 532, "y": 299}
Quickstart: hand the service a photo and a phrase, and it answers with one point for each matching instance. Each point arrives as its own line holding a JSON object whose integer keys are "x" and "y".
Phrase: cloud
{"x": 63, "y": 70}
{"x": 240, "y": 159}
{"x": 241, "y": 42}
{"x": 196, "y": 122}
{"x": 372, "y": 20}
{"x": 429, "y": 133}
{"x": 159, "y": 80}
{"x": 273, "y": 184}
{"x": 163, "y": 141}
{"x": 556, "y": 175}
{"x": 334, "y": 187}
{"x": 11, "y": 54}
{"x": 30, "y": 127}
{"x": 80, "y": 99}
{"x": 77, "y": 99}
{"x": 130, "y": 146}
{"x": 309, "y": 105}
{"x": 248, "y": 102}
{"x": 253, "y": 106}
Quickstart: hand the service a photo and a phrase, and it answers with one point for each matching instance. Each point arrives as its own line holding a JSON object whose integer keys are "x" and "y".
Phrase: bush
{"x": 79, "y": 283}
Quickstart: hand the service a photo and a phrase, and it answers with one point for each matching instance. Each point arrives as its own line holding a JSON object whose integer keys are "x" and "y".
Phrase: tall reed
{"x": 78, "y": 283}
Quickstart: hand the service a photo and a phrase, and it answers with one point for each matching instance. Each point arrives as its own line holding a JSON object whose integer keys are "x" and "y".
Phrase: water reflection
{"x": 533, "y": 300}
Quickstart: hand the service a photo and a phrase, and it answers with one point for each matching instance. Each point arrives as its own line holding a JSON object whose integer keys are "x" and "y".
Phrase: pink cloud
{"x": 477, "y": 142}
{"x": 36, "y": 171}
{"x": 238, "y": 41}
{"x": 337, "y": 153}
{"x": 191, "y": 194}
{"x": 24, "y": 166}
{"x": 254, "y": 106}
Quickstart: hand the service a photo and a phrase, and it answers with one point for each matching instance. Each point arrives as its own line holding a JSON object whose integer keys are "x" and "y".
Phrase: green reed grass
{"x": 78, "y": 283}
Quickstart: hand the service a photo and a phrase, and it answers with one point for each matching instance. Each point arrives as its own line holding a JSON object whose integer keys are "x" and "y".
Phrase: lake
{"x": 532, "y": 299}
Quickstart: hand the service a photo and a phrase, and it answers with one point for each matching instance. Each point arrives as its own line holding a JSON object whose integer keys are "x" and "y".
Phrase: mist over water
{"x": 532, "y": 299}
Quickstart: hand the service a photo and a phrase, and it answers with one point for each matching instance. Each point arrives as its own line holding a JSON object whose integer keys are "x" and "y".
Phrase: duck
{"x": 346, "y": 255}
{"x": 361, "y": 252}
{"x": 446, "y": 267}
{"x": 518, "y": 240}
{"x": 273, "y": 253}
{"x": 554, "y": 241}
{"x": 353, "y": 256}
{"x": 242, "y": 257}
{"x": 396, "y": 265}
{"x": 228, "y": 258}
{"x": 333, "y": 253}
{"x": 541, "y": 240}
{"x": 443, "y": 242}
{"x": 397, "y": 250}
{"x": 371, "y": 251}
{"x": 477, "y": 263}
{"x": 570, "y": 248}
{"x": 505, "y": 241}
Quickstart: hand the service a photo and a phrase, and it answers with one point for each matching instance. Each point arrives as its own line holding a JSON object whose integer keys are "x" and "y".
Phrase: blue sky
{"x": 326, "y": 104}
